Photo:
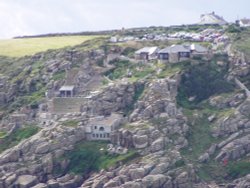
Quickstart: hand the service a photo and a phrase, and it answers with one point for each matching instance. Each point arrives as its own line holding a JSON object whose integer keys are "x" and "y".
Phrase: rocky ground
{"x": 178, "y": 143}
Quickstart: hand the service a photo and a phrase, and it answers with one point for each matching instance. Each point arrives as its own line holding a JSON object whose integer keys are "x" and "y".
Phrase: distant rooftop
{"x": 184, "y": 48}
{"x": 66, "y": 88}
{"x": 175, "y": 49}
{"x": 149, "y": 50}
{"x": 245, "y": 21}
{"x": 211, "y": 19}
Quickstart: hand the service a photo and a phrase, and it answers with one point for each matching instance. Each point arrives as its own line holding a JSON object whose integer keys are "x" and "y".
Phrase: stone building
{"x": 174, "y": 54}
{"x": 100, "y": 128}
{"x": 146, "y": 53}
{"x": 67, "y": 91}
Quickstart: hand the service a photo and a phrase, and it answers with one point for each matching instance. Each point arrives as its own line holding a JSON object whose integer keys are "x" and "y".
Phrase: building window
{"x": 93, "y": 135}
{"x": 107, "y": 135}
{"x": 97, "y": 135}
{"x": 104, "y": 135}
{"x": 100, "y": 135}
{"x": 95, "y": 127}
{"x": 101, "y": 129}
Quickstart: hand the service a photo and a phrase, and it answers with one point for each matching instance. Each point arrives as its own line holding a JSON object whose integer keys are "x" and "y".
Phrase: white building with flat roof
{"x": 100, "y": 128}
{"x": 67, "y": 91}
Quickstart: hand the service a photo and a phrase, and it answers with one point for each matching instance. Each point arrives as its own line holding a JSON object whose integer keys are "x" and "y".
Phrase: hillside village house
{"x": 146, "y": 53}
{"x": 211, "y": 19}
{"x": 67, "y": 91}
{"x": 100, "y": 128}
{"x": 176, "y": 53}
{"x": 244, "y": 22}
{"x": 197, "y": 49}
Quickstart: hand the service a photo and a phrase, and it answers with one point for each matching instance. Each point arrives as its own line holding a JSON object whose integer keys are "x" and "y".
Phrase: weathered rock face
{"x": 245, "y": 108}
{"x": 240, "y": 183}
{"x": 235, "y": 149}
{"x": 33, "y": 160}
{"x": 232, "y": 124}
{"x": 227, "y": 102}
{"x": 164, "y": 128}
{"x": 114, "y": 98}
{"x": 159, "y": 98}
{"x": 151, "y": 172}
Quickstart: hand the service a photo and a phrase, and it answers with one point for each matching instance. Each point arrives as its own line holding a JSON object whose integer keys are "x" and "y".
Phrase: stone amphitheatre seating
{"x": 67, "y": 105}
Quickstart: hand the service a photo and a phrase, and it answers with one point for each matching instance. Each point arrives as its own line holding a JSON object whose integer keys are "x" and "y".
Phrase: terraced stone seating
{"x": 67, "y": 105}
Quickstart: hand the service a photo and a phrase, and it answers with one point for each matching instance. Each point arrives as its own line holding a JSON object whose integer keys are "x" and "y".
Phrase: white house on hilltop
{"x": 212, "y": 19}
{"x": 244, "y": 22}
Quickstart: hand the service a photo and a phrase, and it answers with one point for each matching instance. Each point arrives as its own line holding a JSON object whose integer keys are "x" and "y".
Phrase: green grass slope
{"x": 30, "y": 46}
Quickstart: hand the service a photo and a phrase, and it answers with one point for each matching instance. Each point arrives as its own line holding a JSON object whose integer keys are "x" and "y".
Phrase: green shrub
{"x": 70, "y": 123}
{"x": 202, "y": 81}
{"x": 92, "y": 156}
{"x": 238, "y": 169}
{"x": 179, "y": 163}
{"x": 59, "y": 75}
{"x": 17, "y": 136}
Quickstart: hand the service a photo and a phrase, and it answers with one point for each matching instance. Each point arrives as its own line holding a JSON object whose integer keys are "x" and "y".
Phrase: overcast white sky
{"x": 30, "y": 17}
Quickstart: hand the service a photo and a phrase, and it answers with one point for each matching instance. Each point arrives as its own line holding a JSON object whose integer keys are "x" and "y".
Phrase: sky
{"x": 31, "y": 17}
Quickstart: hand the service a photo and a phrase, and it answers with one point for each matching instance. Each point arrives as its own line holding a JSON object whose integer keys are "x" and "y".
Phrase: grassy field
{"x": 31, "y": 46}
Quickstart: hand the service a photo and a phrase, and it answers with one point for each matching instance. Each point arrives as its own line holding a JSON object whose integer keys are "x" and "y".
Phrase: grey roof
{"x": 175, "y": 49}
{"x": 149, "y": 50}
{"x": 66, "y": 88}
{"x": 245, "y": 21}
{"x": 198, "y": 48}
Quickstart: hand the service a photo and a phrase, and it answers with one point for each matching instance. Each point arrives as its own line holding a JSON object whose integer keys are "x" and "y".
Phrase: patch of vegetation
{"x": 169, "y": 70}
{"x": 199, "y": 136}
{"x": 132, "y": 127}
{"x": 31, "y": 46}
{"x": 70, "y": 123}
{"x": 202, "y": 81}
{"x": 238, "y": 169}
{"x": 128, "y": 51}
{"x": 92, "y": 156}
{"x": 17, "y": 136}
{"x": 105, "y": 81}
{"x": 122, "y": 67}
{"x": 2, "y": 134}
{"x": 212, "y": 171}
{"x": 242, "y": 43}
{"x": 138, "y": 93}
{"x": 233, "y": 29}
{"x": 31, "y": 100}
{"x": 59, "y": 75}
{"x": 179, "y": 163}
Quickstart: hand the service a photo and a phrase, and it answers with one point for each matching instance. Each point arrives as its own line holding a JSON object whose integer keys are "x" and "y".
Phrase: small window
{"x": 100, "y": 135}
{"x": 101, "y": 129}
{"x": 104, "y": 135}
{"x": 95, "y": 127}
{"x": 97, "y": 135}
{"x": 107, "y": 135}
{"x": 93, "y": 135}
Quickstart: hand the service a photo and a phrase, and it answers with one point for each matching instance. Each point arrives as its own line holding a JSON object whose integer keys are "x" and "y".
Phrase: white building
{"x": 244, "y": 22}
{"x": 212, "y": 19}
{"x": 100, "y": 128}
